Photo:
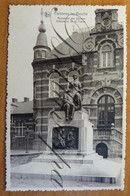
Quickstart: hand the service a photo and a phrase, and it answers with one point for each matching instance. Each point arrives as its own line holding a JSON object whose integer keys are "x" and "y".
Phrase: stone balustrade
{"x": 105, "y": 133}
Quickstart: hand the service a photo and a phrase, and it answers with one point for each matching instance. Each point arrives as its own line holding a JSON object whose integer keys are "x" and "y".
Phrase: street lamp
{"x": 27, "y": 134}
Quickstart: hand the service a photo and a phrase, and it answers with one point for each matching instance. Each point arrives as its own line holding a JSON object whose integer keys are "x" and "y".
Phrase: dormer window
{"x": 42, "y": 54}
{"x": 106, "y": 56}
{"x": 39, "y": 54}
{"x": 36, "y": 54}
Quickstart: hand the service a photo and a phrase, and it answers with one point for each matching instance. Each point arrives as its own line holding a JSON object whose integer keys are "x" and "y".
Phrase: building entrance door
{"x": 102, "y": 149}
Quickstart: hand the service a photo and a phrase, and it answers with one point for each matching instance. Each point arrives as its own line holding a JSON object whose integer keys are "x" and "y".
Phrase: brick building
{"x": 97, "y": 58}
{"x": 22, "y": 124}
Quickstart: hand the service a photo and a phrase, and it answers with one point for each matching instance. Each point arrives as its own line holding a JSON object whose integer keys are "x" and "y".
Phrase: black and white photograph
{"x": 66, "y": 98}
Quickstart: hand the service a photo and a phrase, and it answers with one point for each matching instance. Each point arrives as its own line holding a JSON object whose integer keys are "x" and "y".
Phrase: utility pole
{"x": 27, "y": 134}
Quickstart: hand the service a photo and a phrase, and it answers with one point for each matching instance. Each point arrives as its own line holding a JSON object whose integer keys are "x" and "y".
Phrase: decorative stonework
{"x": 106, "y": 82}
{"x": 74, "y": 135}
{"x": 106, "y": 20}
{"x": 120, "y": 39}
{"x": 65, "y": 137}
{"x": 84, "y": 59}
{"x": 89, "y": 44}
{"x": 107, "y": 90}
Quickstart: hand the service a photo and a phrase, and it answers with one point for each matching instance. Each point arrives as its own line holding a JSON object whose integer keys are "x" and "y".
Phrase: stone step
{"x": 81, "y": 158}
{"x": 104, "y": 171}
{"x": 80, "y": 178}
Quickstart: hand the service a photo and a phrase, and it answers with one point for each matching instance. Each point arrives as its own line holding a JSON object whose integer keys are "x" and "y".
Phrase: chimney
{"x": 14, "y": 100}
{"x": 26, "y": 99}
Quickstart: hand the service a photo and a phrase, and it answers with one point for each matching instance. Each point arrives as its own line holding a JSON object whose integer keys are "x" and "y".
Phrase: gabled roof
{"x": 23, "y": 108}
{"x": 73, "y": 45}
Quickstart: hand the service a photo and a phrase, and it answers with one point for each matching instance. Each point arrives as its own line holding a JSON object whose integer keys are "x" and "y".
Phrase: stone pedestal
{"x": 78, "y": 131}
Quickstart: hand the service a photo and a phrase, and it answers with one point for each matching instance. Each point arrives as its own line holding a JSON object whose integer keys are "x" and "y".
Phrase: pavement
{"x": 37, "y": 175}
{"x": 25, "y": 184}
{"x": 23, "y": 152}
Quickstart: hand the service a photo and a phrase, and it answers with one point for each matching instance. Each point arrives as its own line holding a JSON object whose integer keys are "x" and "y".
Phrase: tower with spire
{"x": 41, "y": 52}
{"x": 41, "y": 48}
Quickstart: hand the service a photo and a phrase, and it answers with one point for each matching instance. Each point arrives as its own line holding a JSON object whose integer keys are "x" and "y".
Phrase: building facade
{"x": 22, "y": 125}
{"x": 96, "y": 57}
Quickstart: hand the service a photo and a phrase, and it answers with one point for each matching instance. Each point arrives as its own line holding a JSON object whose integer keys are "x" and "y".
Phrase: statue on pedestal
{"x": 72, "y": 98}
{"x": 68, "y": 105}
{"x": 75, "y": 87}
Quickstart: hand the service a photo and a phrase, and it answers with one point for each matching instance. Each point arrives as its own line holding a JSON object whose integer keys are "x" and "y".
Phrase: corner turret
{"x": 41, "y": 48}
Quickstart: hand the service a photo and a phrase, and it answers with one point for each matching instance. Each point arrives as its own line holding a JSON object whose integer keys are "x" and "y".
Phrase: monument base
{"x": 69, "y": 155}
{"x": 79, "y": 168}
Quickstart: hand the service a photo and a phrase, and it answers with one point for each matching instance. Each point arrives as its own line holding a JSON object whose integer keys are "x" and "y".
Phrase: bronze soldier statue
{"x": 72, "y": 98}
{"x": 75, "y": 85}
{"x": 68, "y": 105}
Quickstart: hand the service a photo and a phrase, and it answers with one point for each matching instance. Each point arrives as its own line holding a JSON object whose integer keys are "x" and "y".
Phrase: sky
{"x": 23, "y": 30}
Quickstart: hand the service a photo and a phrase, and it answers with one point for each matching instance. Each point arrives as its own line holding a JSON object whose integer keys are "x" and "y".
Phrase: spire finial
{"x": 42, "y": 27}
{"x": 41, "y": 14}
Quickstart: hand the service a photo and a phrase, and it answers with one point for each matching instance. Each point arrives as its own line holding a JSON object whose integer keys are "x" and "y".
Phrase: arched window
{"x": 54, "y": 85}
{"x": 36, "y": 54}
{"x": 106, "y": 56}
{"x": 39, "y": 54}
{"x": 106, "y": 111}
{"x": 42, "y": 54}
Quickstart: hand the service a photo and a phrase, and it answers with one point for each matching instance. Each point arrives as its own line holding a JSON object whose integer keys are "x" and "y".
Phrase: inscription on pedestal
{"x": 65, "y": 137}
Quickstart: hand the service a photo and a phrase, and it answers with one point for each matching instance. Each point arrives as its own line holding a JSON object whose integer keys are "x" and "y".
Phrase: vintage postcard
{"x": 66, "y": 98}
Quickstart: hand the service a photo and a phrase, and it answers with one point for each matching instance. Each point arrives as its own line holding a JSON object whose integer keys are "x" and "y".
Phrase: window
{"x": 54, "y": 85}
{"x": 19, "y": 128}
{"x": 34, "y": 90}
{"x": 36, "y": 54}
{"x": 106, "y": 56}
{"x": 42, "y": 54}
{"x": 106, "y": 111}
{"x": 39, "y": 54}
